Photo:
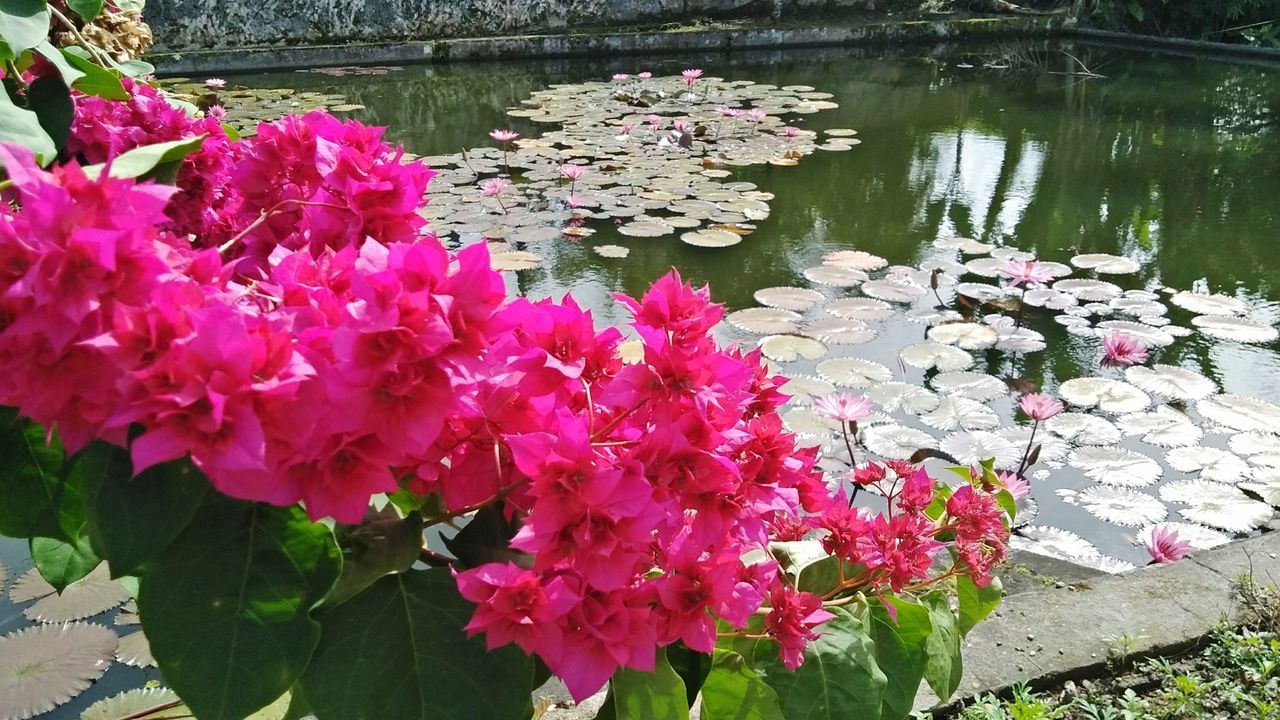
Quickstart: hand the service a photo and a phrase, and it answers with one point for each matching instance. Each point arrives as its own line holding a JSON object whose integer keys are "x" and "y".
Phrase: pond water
{"x": 1172, "y": 162}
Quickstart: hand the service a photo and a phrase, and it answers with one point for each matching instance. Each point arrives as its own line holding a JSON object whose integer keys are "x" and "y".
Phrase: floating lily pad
{"x": 765, "y": 320}
{"x": 864, "y": 309}
{"x": 1113, "y": 396}
{"x": 93, "y": 594}
{"x": 854, "y": 372}
{"x": 789, "y": 298}
{"x": 1210, "y": 462}
{"x": 896, "y": 442}
{"x": 905, "y": 397}
{"x": 838, "y": 331}
{"x": 515, "y": 260}
{"x": 130, "y": 703}
{"x": 929, "y": 355}
{"x": 1122, "y": 506}
{"x": 1116, "y": 466}
{"x": 1084, "y": 429}
{"x": 965, "y": 335}
{"x": 1105, "y": 264}
{"x": 1170, "y": 381}
{"x": 45, "y": 666}
{"x": 1209, "y": 303}
{"x": 835, "y": 276}
{"x": 1238, "y": 329}
{"x": 854, "y": 260}
{"x": 789, "y": 348}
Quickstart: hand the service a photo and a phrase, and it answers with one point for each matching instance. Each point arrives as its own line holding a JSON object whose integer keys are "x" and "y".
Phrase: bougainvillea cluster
{"x": 284, "y": 319}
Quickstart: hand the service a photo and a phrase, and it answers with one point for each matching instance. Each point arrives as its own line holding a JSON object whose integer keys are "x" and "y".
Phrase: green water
{"x": 1172, "y": 161}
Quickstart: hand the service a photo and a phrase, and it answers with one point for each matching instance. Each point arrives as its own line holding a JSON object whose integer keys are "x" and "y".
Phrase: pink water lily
{"x": 1122, "y": 350}
{"x": 845, "y": 407}
{"x": 1040, "y": 407}
{"x": 504, "y": 136}
{"x": 215, "y": 83}
{"x": 1026, "y": 272}
{"x": 691, "y": 76}
{"x": 1165, "y": 546}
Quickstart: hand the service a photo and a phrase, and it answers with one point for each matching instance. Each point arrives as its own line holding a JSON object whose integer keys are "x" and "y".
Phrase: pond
{"x": 1173, "y": 163}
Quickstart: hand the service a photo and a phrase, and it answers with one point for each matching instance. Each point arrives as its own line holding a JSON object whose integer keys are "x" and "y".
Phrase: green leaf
{"x": 901, "y": 653}
{"x": 946, "y": 666}
{"x": 485, "y": 539}
{"x": 41, "y": 497}
{"x": 658, "y": 695}
{"x": 24, "y": 23}
{"x": 692, "y": 667}
{"x": 62, "y": 563}
{"x": 813, "y": 569}
{"x": 227, "y": 607}
{"x": 50, "y": 98}
{"x": 733, "y": 691}
{"x": 383, "y": 544}
{"x": 69, "y": 72}
{"x": 148, "y": 160}
{"x": 839, "y": 679}
{"x": 133, "y": 520}
{"x": 399, "y": 650}
{"x": 87, "y": 9}
{"x": 131, "y": 5}
{"x": 976, "y": 603}
{"x": 97, "y": 80}
{"x": 1005, "y": 500}
{"x": 21, "y": 126}
{"x": 135, "y": 68}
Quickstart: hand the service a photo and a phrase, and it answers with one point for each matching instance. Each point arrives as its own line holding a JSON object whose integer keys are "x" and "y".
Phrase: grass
{"x": 1236, "y": 675}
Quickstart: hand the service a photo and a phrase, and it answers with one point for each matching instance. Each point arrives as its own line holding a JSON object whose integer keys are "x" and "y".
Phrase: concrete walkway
{"x": 1050, "y": 636}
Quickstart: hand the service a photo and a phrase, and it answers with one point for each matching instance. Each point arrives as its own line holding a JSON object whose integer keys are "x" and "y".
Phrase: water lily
{"x": 1026, "y": 272}
{"x": 1123, "y": 350}
{"x": 215, "y": 83}
{"x": 845, "y": 407}
{"x": 573, "y": 173}
{"x": 1164, "y": 545}
{"x": 1040, "y": 407}
{"x": 505, "y": 137}
{"x": 494, "y": 187}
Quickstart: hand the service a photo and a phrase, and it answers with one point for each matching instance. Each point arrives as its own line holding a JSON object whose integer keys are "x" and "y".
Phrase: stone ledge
{"x": 603, "y": 43}
{"x": 1048, "y": 637}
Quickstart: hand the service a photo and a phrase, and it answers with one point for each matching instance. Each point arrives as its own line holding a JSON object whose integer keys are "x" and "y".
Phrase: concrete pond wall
{"x": 221, "y": 24}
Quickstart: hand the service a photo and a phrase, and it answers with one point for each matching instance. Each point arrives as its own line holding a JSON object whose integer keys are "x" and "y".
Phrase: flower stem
{"x": 1022, "y": 466}
{"x": 853, "y": 462}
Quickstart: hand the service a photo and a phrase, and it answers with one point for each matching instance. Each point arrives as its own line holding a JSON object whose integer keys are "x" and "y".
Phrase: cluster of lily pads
{"x": 62, "y": 653}
{"x": 649, "y": 153}
{"x": 953, "y": 331}
{"x": 246, "y": 106}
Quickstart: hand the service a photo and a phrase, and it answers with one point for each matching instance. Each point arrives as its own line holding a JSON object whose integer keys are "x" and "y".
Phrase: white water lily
{"x": 1116, "y": 466}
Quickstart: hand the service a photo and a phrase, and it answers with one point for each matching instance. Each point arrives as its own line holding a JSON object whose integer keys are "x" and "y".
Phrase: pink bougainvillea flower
{"x": 1122, "y": 350}
{"x": 792, "y": 620}
{"x": 514, "y": 605}
{"x": 1040, "y": 407}
{"x": 1165, "y": 546}
{"x": 1026, "y": 272}
{"x": 845, "y": 407}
